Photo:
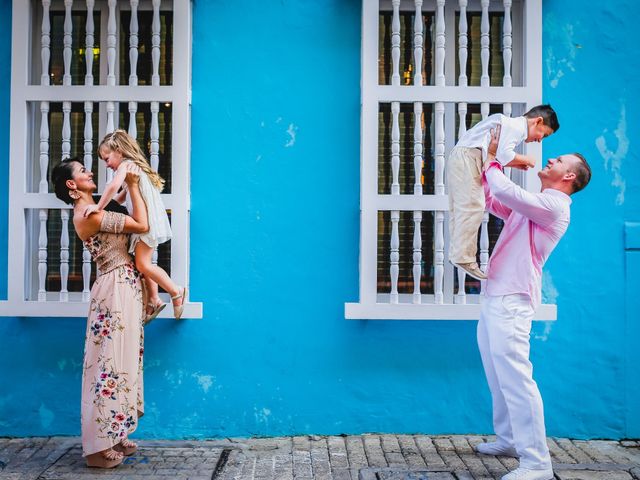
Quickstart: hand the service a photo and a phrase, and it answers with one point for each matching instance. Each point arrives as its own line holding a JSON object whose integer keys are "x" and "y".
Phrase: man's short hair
{"x": 548, "y": 115}
{"x": 583, "y": 173}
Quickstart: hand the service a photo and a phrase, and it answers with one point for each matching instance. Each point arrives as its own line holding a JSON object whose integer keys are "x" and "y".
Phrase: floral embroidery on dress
{"x": 117, "y": 424}
{"x": 112, "y": 392}
{"x": 108, "y": 384}
{"x": 130, "y": 274}
{"x": 104, "y": 323}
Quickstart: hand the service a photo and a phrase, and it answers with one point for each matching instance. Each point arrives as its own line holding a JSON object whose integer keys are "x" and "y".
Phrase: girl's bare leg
{"x": 154, "y": 273}
{"x": 152, "y": 290}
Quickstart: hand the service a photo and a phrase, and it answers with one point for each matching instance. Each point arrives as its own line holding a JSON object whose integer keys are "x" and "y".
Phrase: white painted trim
{"x": 22, "y": 199}
{"x": 100, "y": 93}
{"x": 77, "y": 308}
{"x": 373, "y": 305}
{"x": 408, "y": 311}
{"x": 18, "y": 151}
{"x": 50, "y": 201}
{"x": 369, "y": 152}
{"x": 433, "y": 94}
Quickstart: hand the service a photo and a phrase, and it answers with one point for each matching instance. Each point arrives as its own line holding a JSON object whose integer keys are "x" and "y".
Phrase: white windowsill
{"x": 409, "y": 311}
{"x": 192, "y": 310}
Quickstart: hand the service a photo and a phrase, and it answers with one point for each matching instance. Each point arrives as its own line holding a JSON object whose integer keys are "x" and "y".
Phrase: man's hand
{"x": 90, "y": 209}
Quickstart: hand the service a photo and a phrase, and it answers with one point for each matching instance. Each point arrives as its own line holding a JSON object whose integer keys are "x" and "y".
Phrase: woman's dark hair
{"x": 548, "y": 115}
{"x": 60, "y": 174}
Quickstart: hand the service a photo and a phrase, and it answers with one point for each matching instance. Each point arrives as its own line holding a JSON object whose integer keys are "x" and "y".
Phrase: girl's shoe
{"x": 105, "y": 459}
{"x": 179, "y": 309}
{"x": 155, "y": 310}
{"x": 127, "y": 447}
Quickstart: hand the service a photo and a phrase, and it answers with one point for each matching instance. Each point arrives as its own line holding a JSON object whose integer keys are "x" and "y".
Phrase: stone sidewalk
{"x": 362, "y": 457}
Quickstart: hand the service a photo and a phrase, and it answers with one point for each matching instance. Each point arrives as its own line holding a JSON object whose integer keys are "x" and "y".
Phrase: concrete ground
{"x": 360, "y": 457}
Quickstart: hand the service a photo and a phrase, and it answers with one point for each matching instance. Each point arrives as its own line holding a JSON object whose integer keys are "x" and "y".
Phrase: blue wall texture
{"x": 274, "y": 250}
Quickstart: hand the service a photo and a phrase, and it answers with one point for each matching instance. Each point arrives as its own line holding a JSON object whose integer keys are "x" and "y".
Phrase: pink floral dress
{"x": 112, "y": 396}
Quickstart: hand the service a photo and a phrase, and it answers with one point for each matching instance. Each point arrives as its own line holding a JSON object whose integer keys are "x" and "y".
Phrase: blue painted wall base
{"x": 274, "y": 250}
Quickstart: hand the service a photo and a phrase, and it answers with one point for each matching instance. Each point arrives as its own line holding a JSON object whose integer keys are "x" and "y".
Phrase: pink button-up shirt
{"x": 534, "y": 224}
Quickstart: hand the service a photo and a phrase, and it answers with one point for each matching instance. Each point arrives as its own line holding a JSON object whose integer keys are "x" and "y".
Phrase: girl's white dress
{"x": 159, "y": 226}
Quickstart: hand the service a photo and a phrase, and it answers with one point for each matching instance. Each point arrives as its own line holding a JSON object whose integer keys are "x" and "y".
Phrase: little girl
{"x": 117, "y": 149}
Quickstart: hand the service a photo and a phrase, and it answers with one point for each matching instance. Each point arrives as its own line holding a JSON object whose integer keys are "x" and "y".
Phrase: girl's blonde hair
{"x": 120, "y": 141}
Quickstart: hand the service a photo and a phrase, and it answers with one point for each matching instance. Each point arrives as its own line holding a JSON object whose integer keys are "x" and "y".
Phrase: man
{"x": 534, "y": 224}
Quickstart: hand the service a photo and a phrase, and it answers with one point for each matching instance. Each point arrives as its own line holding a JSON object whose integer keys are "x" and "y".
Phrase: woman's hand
{"x": 133, "y": 174}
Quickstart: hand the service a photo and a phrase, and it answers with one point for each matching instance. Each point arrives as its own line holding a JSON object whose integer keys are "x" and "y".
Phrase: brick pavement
{"x": 357, "y": 457}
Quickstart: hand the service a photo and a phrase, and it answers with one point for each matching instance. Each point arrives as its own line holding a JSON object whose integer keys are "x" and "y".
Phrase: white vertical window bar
{"x": 484, "y": 232}
{"x": 417, "y": 190}
{"x": 88, "y": 54}
{"x": 461, "y": 296}
{"x": 507, "y": 42}
{"x": 133, "y": 60}
{"x": 155, "y": 106}
{"x": 66, "y": 151}
{"x": 484, "y": 110}
{"x": 395, "y": 43}
{"x": 66, "y": 52}
{"x": 111, "y": 43}
{"x": 395, "y": 255}
{"x": 418, "y": 40}
{"x": 64, "y": 255}
{"x": 43, "y": 186}
{"x": 395, "y": 190}
{"x": 439, "y": 156}
{"x": 42, "y": 256}
{"x": 395, "y": 151}
{"x": 417, "y": 256}
{"x": 111, "y": 71}
{"x": 155, "y": 81}
{"x": 88, "y": 137}
{"x": 46, "y": 42}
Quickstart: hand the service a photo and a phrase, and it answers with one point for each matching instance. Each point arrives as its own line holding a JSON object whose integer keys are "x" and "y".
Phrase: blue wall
{"x": 274, "y": 250}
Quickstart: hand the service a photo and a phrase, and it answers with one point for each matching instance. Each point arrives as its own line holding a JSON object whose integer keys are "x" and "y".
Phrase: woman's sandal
{"x": 106, "y": 459}
{"x": 155, "y": 310}
{"x": 127, "y": 447}
{"x": 179, "y": 309}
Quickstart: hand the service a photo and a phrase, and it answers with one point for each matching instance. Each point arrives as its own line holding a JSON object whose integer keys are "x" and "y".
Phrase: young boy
{"x": 464, "y": 175}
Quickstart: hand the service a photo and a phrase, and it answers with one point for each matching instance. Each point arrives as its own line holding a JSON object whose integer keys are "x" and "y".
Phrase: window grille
{"x": 430, "y": 70}
{"x": 92, "y": 66}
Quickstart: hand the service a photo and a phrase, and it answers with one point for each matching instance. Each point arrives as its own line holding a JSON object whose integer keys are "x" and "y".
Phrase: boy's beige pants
{"x": 466, "y": 203}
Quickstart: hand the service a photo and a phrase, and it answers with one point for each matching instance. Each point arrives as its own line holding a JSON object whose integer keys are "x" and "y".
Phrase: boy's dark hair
{"x": 548, "y": 115}
{"x": 583, "y": 173}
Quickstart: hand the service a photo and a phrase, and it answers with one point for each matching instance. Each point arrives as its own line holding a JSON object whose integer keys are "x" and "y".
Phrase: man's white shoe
{"x": 528, "y": 474}
{"x": 495, "y": 448}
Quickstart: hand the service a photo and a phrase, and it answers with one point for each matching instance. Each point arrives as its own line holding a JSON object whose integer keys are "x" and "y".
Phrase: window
{"x": 92, "y": 66}
{"x": 430, "y": 70}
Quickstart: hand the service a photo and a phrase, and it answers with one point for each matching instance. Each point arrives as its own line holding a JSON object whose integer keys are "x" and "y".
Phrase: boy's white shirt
{"x": 512, "y": 133}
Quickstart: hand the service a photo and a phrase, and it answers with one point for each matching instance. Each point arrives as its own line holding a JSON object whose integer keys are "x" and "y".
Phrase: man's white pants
{"x": 518, "y": 416}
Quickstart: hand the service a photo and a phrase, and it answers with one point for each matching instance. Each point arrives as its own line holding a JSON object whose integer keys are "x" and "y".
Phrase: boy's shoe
{"x": 528, "y": 474}
{"x": 472, "y": 269}
{"x": 495, "y": 448}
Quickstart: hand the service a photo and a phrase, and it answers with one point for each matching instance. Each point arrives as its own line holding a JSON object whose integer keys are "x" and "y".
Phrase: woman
{"x": 112, "y": 368}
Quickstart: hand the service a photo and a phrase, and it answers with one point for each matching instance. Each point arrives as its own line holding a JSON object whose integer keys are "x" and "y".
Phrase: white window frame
{"x": 373, "y": 305}
{"x": 22, "y": 143}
